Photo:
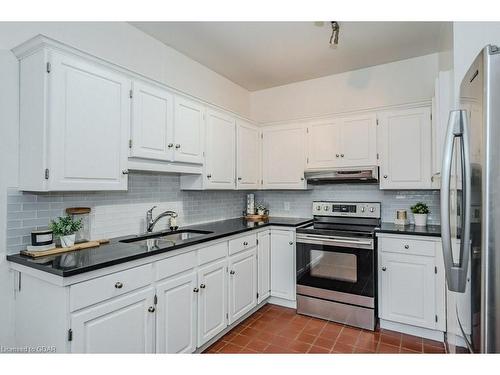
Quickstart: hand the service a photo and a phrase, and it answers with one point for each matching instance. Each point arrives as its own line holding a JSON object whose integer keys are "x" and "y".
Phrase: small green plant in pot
{"x": 420, "y": 211}
{"x": 65, "y": 228}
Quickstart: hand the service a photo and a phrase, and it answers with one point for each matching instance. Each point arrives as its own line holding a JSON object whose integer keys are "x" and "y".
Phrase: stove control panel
{"x": 349, "y": 209}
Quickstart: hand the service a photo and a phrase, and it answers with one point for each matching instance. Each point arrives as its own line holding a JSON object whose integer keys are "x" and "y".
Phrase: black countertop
{"x": 429, "y": 230}
{"x": 116, "y": 252}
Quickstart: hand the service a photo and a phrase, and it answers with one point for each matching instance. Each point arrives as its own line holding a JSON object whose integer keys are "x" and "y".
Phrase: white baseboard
{"x": 412, "y": 330}
{"x": 282, "y": 302}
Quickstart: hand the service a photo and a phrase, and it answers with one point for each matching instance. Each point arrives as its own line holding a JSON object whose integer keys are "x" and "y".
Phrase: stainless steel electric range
{"x": 336, "y": 257}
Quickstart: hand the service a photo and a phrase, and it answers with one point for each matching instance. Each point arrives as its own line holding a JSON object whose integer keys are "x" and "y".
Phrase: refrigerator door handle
{"x": 456, "y": 273}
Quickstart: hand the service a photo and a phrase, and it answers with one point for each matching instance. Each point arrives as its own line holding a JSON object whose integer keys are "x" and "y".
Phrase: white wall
{"x": 468, "y": 39}
{"x": 395, "y": 83}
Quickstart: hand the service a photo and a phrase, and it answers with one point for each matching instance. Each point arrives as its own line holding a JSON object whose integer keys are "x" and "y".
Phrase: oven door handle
{"x": 332, "y": 241}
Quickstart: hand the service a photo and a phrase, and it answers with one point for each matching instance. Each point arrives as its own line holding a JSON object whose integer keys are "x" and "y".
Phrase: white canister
{"x": 420, "y": 220}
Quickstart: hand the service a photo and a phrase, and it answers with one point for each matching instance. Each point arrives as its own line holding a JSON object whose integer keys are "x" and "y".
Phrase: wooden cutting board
{"x": 60, "y": 250}
{"x": 256, "y": 217}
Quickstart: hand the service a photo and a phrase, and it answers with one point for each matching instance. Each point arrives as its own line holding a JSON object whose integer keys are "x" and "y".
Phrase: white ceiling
{"x": 259, "y": 55}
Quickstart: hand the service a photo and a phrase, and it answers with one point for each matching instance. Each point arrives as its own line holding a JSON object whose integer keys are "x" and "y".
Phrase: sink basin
{"x": 160, "y": 240}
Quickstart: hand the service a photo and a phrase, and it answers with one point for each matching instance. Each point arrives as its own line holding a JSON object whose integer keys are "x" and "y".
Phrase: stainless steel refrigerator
{"x": 470, "y": 210}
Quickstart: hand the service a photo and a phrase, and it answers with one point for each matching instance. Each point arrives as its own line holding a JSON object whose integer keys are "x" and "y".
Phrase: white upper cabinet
{"x": 220, "y": 151}
{"x": 189, "y": 126}
{"x": 323, "y": 144}
{"x": 74, "y": 124}
{"x": 248, "y": 151}
{"x": 152, "y": 122}
{"x": 359, "y": 141}
{"x": 342, "y": 142}
{"x": 283, "y": 159}
{"x": 405, "y": 149}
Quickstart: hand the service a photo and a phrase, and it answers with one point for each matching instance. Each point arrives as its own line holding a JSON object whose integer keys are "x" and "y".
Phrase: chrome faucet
{"x": 152, "y": 222}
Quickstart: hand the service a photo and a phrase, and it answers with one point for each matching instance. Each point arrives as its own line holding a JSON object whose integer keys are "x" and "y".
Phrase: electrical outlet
{"x": 286, "y": 206}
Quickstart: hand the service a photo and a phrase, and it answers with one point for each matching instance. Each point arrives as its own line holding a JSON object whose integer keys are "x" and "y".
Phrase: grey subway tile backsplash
{"x": 28, "y": 211}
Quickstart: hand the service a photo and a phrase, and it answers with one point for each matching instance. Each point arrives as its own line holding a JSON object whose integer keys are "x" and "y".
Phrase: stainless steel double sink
{"x": 161, "y": 240}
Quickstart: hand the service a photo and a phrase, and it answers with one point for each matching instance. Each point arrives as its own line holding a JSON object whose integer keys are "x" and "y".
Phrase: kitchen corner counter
{"x": 411, "y": 230}
{"x": 116, "y": 252}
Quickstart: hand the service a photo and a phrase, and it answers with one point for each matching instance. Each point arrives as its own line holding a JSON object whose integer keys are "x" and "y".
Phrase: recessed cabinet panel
{"x": 176, "y": 322}
{"x": 248, "y": 152}
{"x": 152, "y": 122}
{"x": 284, "y": 157}
{"x": 122, "y": 325}
{"x": 405, "y": 143}
{"x": 221, "y": 151}
{"x": 242, "y": 284}
{"x": 359, "y": 141}
{"x": 89, "y": 119}
{"x": 323, "y": 145}
{"x": 189, "y": 130}
{"x": 212, "y": 300}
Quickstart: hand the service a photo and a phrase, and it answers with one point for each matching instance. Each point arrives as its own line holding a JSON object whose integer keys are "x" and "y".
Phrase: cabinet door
{"x": 89, "y": 108}
{"x": 189, "y": 130}
{"x": 284, "y": 157}
{"x": 407, "y": 289}
{"x": 212, "y": 300}
{"x": 122, "y": 325}
{"x": 176, "y": 314}
{"x": 152, "y": 122}
{"x": 263, "y": 265}
{"x": 359, "y": 141}
{"x": 282, "y": 264}
{"x": 248, "y": 153}
{"x": 221, "y": 153}
{"x": 242, "y": 283}
{"x": 405, "y": 149}
{"x": 323, "y": 145}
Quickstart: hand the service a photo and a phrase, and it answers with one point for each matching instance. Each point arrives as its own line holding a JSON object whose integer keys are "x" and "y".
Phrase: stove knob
{"x": 362, "y": 209}
{"x": 372, "y": 209}
{"x": 318, "y": 208}
{"x": 326, "y": 208}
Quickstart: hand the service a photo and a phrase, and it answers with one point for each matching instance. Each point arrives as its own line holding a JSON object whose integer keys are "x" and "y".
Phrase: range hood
{"x": 338, "y": 175}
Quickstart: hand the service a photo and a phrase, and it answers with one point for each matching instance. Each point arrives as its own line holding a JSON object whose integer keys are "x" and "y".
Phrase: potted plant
{"x": 420, "y": 211}
{"x": 261, "y": 209}
{"x": 65, "y": 228}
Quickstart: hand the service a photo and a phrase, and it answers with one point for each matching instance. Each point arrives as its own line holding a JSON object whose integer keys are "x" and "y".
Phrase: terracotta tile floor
{"x": 275, "y": 329}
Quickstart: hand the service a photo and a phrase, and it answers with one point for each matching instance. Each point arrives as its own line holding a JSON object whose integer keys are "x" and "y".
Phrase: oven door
{"x": 336, "y": 268}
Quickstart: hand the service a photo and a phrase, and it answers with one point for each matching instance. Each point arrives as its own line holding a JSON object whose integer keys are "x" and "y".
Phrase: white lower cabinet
{"x": 283, "y": 264}
{"x": 212, "y": 300}
{"x": 122, "y": 325}
{"x": 263, "y": 265}
{"x": 176, "y": 314}
{"x": 411, "y": 283}
{"x": 242, "y": 283}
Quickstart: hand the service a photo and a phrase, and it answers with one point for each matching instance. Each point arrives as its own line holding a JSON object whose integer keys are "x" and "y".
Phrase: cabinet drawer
{"x": 174, "y": 265}
{"x": 242, "y": 243}
{"x": 102, "y": 288}
{"x": 211, "y": 253}
{"x": 407, "y": 246}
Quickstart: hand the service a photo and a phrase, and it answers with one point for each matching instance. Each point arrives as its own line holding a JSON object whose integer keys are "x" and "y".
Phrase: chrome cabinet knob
{"x": 290, "y": 243}
{"x": 170, "y": 145}
{"x": 202, "y": 286}
{"x": 341, "y": 155}
{"x": 125, "y": 171}
{"x": 196, "y": 290}
{"x": 232, "y": 272}
{"x": 384, "y": 268}
{"x": 302, "y": 179}
{"x": 336, "y": 155}
{"x": 407, "y": 246}
{"x": 209, "y": 176}
{"x": 239, "y": 178}
{"x": 245, "y": 243}
{"x": 177, "y": 146}
{"x": 151, "y": 309}
{"x": 385, "y": 176}
{"x": 118, "y": 285}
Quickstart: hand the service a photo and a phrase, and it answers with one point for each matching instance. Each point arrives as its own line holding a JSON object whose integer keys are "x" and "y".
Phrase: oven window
{"x": 334, "y": 266}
